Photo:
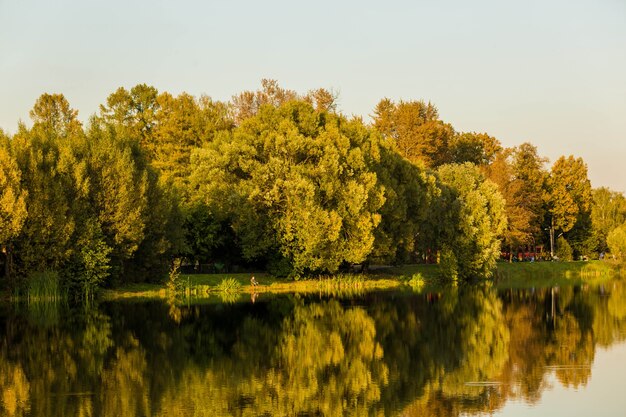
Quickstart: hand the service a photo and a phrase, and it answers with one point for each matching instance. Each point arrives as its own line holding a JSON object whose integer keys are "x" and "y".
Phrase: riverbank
{"x": 416, "y": 277}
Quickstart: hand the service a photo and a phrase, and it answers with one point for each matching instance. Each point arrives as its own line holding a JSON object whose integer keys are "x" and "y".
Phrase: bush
{"x": 417, "y": 281}
{"x": 229, "y": 285}
{"x": 448, "y": 264}
{"x": 616, "y": 240}
{"x": 564, "y": 251}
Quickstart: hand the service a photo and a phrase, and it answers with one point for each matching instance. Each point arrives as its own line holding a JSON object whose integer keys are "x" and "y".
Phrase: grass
{"x": 549, "y": 274}
{"x": 230, "y": 287}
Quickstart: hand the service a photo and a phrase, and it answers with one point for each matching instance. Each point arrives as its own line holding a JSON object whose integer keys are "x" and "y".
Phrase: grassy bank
{"x": 549, "y": 274}
{"x": 422, "y": 277}
{"x": 205, "y": 285}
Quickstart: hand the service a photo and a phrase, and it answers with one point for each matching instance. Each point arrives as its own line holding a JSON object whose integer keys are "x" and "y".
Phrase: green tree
{"x": 55, "y": 179}
{"x": 132, "y": 113}
{"x": 294, "y": 181}
{"x": 563, "y": 249}
{"x": 569, "y": 201}
{"x": 608, "y": 211}
{"x": 477, "y": 148}
{"x": 471, "y": 243}
{"x": 415, "y": 128}
{"x": 409, "y": 193}
{"x": 249, "y": 103}
{"x": 182, "y": 124}
{"x": 616, "y": 240}
{"x": 12, "y": 201}
{"x": 138, "y": 216}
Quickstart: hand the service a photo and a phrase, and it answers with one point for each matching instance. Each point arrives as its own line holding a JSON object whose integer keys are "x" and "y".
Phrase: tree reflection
{"x": 460, "y": 351}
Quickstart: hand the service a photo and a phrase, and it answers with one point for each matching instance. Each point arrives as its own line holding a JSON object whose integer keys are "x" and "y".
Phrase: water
{"x": 462, "y": 351}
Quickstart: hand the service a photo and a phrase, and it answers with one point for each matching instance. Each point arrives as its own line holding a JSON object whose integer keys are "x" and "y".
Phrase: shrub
{"x": 564, "y": 251}
{"x": 229, "y": 285}
{"x": 616, "y": 240}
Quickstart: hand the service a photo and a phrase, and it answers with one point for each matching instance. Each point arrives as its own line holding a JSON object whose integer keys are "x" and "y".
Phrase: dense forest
{"x": 280, "y": 181}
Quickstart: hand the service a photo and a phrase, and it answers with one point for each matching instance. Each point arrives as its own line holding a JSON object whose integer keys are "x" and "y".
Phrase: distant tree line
{"x": 278, "y": 180}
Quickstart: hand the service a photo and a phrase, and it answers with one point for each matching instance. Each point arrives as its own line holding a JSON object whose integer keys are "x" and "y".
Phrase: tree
{"x": 616, "y": 240}
{"x": 53, "y": 115}
{"x": 563, "y": 250}
{"x": 471, "y": 244}
{"x": 55, "y": 178}
{"x": 249, "y": 103}
{"x": 13, "y": 211}
{"x": 415, "y": 128}
{"x": 569, "y": 201}
{"x": 409, "y": 192}
{"x": 297, "y": 182}
{"x": 608, "y": 211}
{"x": 132, "y": 113}
{"x": 138, "y": 215}
{"x": 322, "y": 100}
{"x": 520, "y": 177}
{"x": 477, "y": 148}
{"x": 182, "y": 124}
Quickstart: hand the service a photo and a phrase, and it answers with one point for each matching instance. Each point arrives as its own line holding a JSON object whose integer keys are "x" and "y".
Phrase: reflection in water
{"x": 462, "y": 351}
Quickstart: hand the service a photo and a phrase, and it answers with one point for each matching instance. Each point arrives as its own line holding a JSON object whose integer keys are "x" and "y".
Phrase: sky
{"x": 549, "y": 72}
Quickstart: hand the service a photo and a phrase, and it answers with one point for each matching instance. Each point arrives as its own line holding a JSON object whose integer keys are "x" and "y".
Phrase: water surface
{"x": 462, "y": 351}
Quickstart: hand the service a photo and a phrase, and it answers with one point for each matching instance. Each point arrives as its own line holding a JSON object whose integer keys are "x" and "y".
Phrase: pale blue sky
{"x": 551, "y": 72}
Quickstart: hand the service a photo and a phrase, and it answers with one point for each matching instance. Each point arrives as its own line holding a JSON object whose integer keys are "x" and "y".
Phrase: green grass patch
{"x": 229, "y": 286}
{"x": 44, "y": 287}
{"x": 549, "y": 274}
{"x": 213, "y": 280}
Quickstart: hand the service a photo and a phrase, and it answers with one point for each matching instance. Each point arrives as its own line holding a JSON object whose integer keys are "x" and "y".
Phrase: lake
{"x": 470, "y": 350}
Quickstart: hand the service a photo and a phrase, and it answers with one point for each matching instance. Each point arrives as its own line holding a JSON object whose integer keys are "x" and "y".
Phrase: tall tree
{"x": 132, "y": 113}
{"x": 529, "y": 168}
{"x": 296, "y": 181}
{"x": 249, "y": 103}
{"x": 182, "y": 124}
{"x": 470, "y": 245}
{"x": 569, "y": 201}
{"x": 409, "y": 193}
{"x": 607, "y": 212}
{"x": 519, "y": 227}
{"x": 477, "y": 148}
{"x": 55, "y": 181}
{"x": 415, "y": 128}
{"x": 12, "y": 201}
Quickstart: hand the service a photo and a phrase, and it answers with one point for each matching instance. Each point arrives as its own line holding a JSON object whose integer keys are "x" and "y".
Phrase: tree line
{"x": 278, "y": 180}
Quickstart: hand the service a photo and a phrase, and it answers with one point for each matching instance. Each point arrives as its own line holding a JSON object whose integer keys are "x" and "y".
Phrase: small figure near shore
{"x": 253, "y": 281}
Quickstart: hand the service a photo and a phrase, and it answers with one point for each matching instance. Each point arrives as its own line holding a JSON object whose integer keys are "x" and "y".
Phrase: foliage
{"x": 174, "y": 281}
{"x": 12, "y": 196}
{"x": 409, "y": 191}
{"x": 477, "y": 148}
{"x": 471, "y": 244}
{"x": 229, "y": 285}
{"x": 608, "y": 211}
{"x": 616, "y": 240}
{"x": 295, "y": 181}
{"x": 569, "y": 192}
{"x": 44, "y": 286}
{"x": 416, "y": 282}
{"x": 563, "y": 249}
{"x": 275, "y": 180}
{"x": 416, "y": 130}
{"x": 520, "y": 177}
